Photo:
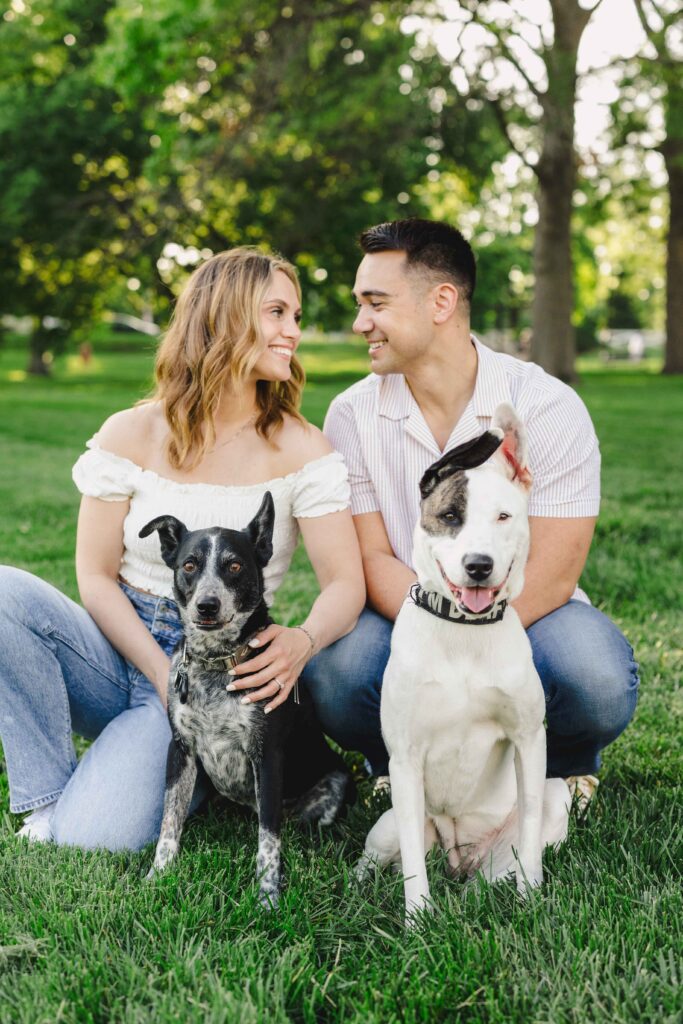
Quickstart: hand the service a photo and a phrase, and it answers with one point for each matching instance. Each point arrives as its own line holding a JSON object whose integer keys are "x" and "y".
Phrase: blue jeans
{"x": 586, "y": 667}
{"x": 58, "y": 674}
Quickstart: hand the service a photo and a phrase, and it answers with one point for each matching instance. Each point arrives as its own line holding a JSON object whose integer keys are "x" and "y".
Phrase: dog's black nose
{"x": 209, "y": 607}
{"x": 478, "y": 567}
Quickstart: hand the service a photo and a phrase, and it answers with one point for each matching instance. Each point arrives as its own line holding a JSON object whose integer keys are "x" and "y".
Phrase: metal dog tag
{"x": 182, "y": 684}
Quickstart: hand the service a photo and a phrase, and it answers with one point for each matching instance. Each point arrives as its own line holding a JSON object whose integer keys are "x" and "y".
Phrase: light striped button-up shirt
{"x": 378, "y": 427}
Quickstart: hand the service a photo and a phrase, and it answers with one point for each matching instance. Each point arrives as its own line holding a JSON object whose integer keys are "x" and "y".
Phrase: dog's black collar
{"x": 438, "y": 605}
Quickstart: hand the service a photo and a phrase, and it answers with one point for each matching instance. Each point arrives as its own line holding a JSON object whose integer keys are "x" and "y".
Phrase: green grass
{"x": 82, "y": 938}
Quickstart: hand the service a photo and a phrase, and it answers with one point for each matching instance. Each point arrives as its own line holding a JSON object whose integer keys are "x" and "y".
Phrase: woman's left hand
{"x": 276, "y": 669}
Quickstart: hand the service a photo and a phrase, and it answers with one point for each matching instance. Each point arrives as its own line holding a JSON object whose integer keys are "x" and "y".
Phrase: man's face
{"x": 394, "y": 312}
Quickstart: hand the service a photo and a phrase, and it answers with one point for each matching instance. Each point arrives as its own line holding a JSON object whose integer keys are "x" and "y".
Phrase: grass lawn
{"x": 82, "y": 938}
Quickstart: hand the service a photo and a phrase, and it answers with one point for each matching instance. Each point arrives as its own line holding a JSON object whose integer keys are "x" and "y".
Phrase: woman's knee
{"x": 128, "y": 827}
{"x": 115, "y": 798}
{"x": 18, "y": 589}
{"x": 25, "y": 599}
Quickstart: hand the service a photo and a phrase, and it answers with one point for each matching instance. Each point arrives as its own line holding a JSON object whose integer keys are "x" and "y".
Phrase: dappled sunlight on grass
{"x": 76, "y": 366}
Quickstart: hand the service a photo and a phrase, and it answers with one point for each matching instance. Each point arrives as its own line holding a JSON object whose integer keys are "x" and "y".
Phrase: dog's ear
{"x": 465, "y": 456}
{"x": 513, "y": 457}
{"x": 171, "y": 534}
{"x": 260, "y": 530}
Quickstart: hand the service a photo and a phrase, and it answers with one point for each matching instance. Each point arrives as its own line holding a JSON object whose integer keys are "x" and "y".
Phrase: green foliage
{"x": 282, "y": 129}
{"x": 137, "y": 138}
{"x": 69, "y": 159}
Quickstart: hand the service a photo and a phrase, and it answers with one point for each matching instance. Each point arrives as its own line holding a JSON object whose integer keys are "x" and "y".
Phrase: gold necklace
{"x": 233, "y": 437}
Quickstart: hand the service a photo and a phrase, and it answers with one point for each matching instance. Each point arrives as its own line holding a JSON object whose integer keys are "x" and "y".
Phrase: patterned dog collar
{"x": 221, "y": 664}
{"x": 225, "y": 661}
{"x": 445, "y": 609}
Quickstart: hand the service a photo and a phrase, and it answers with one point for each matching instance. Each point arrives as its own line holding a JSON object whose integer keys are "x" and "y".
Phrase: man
{"x": 434, "y": 386}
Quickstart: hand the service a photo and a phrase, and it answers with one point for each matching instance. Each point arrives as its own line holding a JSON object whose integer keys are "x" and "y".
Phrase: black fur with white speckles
{"x": 262, "y": 761}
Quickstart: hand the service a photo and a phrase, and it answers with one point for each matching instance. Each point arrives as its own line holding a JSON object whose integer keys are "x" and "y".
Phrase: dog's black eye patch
{"x": 466, "y": 456}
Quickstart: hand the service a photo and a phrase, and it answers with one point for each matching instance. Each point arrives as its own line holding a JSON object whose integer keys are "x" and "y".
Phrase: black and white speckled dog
{"x": 267, "y": 762}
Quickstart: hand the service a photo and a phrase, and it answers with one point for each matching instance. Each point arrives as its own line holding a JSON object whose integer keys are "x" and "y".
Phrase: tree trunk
{"x": 553, "y": 343}
{"x": 37, "y": 364}
{"x": 673, "y": 157}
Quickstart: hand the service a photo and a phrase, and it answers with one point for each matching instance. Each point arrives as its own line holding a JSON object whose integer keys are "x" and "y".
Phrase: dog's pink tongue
{"x": 477, "y": 598}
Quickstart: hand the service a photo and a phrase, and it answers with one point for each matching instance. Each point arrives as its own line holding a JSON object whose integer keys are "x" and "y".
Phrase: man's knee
{"x": 588, "y": 673}
{"x": 352, "y": 665}
{"x": 599, "y": 703}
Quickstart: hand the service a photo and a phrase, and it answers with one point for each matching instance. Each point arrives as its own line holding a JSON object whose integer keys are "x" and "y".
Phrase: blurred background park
{"x": 137, "y": 138}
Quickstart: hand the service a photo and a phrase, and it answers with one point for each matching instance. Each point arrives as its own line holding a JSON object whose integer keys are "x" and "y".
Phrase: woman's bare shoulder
{"x": 130, "y": 432}
{"x": 301, "y": 442}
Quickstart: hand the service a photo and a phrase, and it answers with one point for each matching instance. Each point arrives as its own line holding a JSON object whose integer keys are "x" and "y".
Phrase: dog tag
{"x": 182, "y": 684}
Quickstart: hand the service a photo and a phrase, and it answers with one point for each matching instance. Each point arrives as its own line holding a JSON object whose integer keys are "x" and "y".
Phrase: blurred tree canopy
{"x": 137, "y": 138}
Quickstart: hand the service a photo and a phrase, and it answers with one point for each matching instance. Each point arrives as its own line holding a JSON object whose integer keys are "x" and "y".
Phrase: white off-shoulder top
{"x": 318, "y": 488}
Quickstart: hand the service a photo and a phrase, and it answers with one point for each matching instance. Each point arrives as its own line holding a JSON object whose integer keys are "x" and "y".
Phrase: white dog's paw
{"x": 417, "y": 910}
{"x": 362, "y": 869}
{"x": 528, "y": 881}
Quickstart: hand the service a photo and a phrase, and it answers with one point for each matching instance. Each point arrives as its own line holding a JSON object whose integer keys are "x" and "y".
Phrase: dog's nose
{"x": 478, "y": 567}
{"x": 208, "y": 607}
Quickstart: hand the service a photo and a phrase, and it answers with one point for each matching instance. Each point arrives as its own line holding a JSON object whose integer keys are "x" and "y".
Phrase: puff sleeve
{"x": 101, "y": 474}
{"x": 321, "y": 487}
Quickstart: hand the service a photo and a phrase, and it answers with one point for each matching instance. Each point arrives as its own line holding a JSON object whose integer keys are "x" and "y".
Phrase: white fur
{"x": 462, "y": 710}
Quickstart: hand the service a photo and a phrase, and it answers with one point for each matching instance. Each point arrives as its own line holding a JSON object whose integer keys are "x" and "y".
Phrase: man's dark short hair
{"x": 429, "y": 245}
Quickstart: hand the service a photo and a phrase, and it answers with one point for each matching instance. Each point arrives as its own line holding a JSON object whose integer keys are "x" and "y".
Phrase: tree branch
{"x": 642, "y": 17}
{"x": 504, "y": 125}
{"x": 476, "y": 18}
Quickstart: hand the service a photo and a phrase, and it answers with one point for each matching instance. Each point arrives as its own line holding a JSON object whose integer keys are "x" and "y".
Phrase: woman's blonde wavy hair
{"x": 213, "y": 340}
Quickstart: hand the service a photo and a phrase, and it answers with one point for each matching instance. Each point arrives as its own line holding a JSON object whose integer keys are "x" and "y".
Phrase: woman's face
{"x": 280, "y": 330}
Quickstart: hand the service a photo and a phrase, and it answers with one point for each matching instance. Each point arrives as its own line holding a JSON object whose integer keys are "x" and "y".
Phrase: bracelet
{"x": 309, "y": 635}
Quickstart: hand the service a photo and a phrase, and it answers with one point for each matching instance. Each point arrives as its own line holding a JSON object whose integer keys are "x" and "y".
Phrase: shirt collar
{"x": 491, "y": 387}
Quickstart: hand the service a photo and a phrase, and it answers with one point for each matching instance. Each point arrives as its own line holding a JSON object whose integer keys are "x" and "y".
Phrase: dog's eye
{"x": 235, "y": 567}
{"x": 503, "y": 516}
{"x": 189, "y": 566}
{"x": 451, "y": 517}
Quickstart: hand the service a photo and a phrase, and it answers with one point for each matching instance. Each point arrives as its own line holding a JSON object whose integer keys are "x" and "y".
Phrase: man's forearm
{"x": 541, "y": 596}
{"x": 559, "y": 548}
{"x": 388, "y": 581}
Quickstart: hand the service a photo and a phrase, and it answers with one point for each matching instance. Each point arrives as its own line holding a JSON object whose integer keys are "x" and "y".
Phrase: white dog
{"x": 462, "y": 704}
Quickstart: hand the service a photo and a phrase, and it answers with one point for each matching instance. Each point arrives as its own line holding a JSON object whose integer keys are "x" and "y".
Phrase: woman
{"x": 221, "y": 428}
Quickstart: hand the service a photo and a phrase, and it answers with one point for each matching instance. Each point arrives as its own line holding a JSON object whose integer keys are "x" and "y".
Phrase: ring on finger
{"x": 279, "y": 685}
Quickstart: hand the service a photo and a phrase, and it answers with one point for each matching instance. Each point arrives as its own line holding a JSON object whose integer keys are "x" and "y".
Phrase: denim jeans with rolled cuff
{"x": 59, "y": 674}
{"x": 586, "y": 667}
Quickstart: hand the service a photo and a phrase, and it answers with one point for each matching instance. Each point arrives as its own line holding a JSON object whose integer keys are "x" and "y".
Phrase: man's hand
{"x": 276, "y": 669}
